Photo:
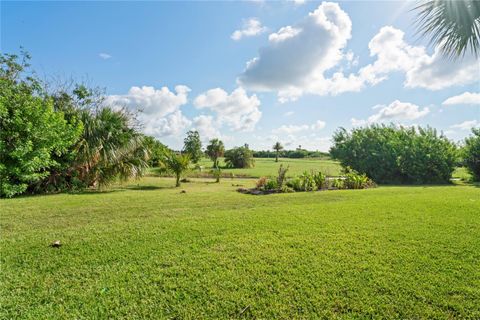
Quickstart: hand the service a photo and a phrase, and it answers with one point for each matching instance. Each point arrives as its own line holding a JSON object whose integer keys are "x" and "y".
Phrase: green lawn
{"x": 148, "y": 251}
{"x": 268, "y": 167}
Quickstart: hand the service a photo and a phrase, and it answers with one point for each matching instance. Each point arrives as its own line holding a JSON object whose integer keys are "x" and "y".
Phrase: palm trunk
{"x": 177, "y": 184}
{"x": 276, "y": 157}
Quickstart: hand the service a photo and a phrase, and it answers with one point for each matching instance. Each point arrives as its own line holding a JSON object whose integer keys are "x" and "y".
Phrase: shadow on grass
{"x": 148, "y": 188}
{"x": 94, "y": 192}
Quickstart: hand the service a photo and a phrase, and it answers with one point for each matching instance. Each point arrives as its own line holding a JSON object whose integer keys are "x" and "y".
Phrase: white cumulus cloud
{"x": 206, "y": 127}
{"x": 251, "y": 27}
{"x": 395, "y": 111}
{"x": 297, "y": 55}
{"x": 291, "y": 129}
{"x": 297, "y": 58}
{"x": 239, "y": 111}
{"x": 464, "y": 98}
{"x": 159, "y": 109}
{"x": 466, "y": 125}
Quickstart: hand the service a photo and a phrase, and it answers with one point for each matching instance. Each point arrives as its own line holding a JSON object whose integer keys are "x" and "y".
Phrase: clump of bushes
{"x": 63, "y": 138}
{"x": 391, "y": 154}
{"x": 471, "y": 153}
{"x": 310, "y": 181}
{"x": 240, "y": 157}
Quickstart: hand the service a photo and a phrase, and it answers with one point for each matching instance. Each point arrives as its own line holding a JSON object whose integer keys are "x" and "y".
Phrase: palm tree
{"x": 277, "y": 147}
{"x": 109, "y": 148}
{"x": 453, "y": 25}
{"x": 178, "y": 164}
{"x": 215, "y": 150}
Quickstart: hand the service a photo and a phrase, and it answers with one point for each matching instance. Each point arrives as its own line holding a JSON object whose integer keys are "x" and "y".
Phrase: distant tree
{"x": 193, "y": 146}
{"x": 472, "y": 154}
{"x": 215, "y": 150}
{"x": 388, "y": 154}
{"x": 277, "y": 147}
{"x": 453, "y": 25}
{"x": 178, "y": 164}
{"x": 157, "y": 151}
{"x": 240, "y": 157}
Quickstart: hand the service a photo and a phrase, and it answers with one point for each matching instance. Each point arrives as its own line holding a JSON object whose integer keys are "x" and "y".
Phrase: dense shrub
{"x": 471, "y": 153}
{"x": 390, "y": 154}
{"x": 320, "y": 179}
{"x": 295, "y": 184}
{"x": 32, "y": 134}
{"x": 64, "y": 138}
{"x": 307, "y": 181}
{"x": 240, "y": 157}
{"x": 355, "y": 180}
{"x": 260, "y": 184}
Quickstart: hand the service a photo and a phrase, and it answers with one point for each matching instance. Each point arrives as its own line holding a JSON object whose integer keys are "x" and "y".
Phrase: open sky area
{"x": 252, "y": 71}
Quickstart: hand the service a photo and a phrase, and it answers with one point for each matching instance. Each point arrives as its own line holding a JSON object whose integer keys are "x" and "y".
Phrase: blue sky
{"x": 313, "y": 66}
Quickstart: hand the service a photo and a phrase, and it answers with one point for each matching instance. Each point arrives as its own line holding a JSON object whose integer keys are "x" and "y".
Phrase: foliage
{"x": 266, "y": 184}
{"x": 271, "y": 185}
{"x": 307, "y": 181}
{"x": 390, "y": 154}
{"x": 215, "y": 150}
{"x": 282, "y": 176}
{"x": 156, "y": 149}
{"x": 178, "y": 164}
{"x": 320, "y": 179}
{"x": 217, "y": 174}
{"x": 32, "y": 134}
{"x": 65, "y": 139}
{"x": 354, "y": 180}
{"x": 453, "y": 25}
{"x": 260, "y": 184}
{"x": 471, "y": 153}
{"x": 240, "y": 157}
{"x": 109, "y": 148}
{"x": 277, "y": 147}
{"x": 338, "y": 183}
{"x": 193, "y": 146}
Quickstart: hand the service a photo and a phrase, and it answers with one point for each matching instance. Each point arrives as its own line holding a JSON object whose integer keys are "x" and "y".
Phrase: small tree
{"x": 472, "y": 154}
{"x": 215, "y": 150}
{"x": 178, "y": 164}
{"x": 277, "y": 147}
{"x": 193, "y": 146}
{"x": 241, "y": 157}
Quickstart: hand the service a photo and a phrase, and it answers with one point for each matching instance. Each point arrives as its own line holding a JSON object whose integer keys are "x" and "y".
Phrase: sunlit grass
{"x": 145, "y": 250}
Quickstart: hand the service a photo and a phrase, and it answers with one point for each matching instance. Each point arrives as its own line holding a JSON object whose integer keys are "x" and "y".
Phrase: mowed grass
{"x": 146, "y": 250}
{"x": 267, "y": 167}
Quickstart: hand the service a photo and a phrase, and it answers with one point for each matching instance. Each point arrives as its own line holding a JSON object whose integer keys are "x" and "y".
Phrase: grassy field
{"x": 146, "y": 250}
{"x": 268, "y": 167}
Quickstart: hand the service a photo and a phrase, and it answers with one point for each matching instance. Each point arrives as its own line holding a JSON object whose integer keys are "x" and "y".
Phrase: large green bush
{"x": 390, "y": 154}
{"x": 472, "y": 154}
{"x": 61, "y": 139}
{"x": 240, "y": 157}
{"x": 32, "y": 134}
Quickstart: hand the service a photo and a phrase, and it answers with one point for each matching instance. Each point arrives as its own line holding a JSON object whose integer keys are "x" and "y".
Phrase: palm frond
{"x": 452, "y": 25}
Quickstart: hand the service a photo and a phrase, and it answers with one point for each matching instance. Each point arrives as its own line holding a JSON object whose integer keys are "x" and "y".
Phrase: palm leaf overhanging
{"x": 452, "y": 25}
